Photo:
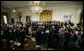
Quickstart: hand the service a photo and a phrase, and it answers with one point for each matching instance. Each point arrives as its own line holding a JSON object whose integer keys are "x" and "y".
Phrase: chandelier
{"x": 37, "y": 6}
{"x": 14, "y": 10}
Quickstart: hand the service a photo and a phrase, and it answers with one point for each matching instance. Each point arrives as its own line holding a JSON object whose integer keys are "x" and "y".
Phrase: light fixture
{"x": 37, "y": 6}
{"x": 14, "y": 10}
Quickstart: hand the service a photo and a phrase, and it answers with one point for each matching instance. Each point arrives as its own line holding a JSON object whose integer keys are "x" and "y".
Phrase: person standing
{"x": 38, "y": 37}
{"x": 70, "y": 41}
{"x": 77, "y": 39}
{"x": 51, "y": 38}
{"x": 60, "y": 42}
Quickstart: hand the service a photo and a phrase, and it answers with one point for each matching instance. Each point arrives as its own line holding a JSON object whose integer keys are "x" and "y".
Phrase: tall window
{"x": 5, "y": 19}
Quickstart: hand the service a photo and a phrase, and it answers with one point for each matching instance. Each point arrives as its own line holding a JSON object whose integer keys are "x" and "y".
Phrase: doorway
{"x": 12, "y": 20}
{"x": 28, "y": 19}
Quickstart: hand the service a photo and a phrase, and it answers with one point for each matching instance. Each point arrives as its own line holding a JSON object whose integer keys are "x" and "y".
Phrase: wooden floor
{"x": 31, "y": 46}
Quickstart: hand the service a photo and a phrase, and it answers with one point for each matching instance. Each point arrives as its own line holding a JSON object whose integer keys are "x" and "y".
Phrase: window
{"x": 5, "y": 19}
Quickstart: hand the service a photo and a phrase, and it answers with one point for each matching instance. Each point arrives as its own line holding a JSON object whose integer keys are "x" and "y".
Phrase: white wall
{"x": 59, "y": 11}
{"x": 33, "y": 17}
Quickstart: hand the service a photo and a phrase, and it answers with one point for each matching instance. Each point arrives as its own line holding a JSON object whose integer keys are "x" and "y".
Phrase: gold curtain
{"x": 46, "y": 15}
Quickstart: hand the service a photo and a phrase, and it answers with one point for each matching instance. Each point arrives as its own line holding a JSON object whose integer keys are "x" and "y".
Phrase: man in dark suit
{"x": 60, "y": 42}
{"x": 38, "y": 37}
{"x": 70, "y": 41}
{"x": 77, "y": 39}
{"x": 51, "y": 38}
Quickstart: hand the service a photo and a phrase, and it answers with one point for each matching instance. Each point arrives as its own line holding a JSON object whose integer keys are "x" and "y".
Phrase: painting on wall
{"x": 67, "y": 18}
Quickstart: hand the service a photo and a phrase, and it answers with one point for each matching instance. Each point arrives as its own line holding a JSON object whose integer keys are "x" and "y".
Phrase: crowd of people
{"x": 54, "y": 34}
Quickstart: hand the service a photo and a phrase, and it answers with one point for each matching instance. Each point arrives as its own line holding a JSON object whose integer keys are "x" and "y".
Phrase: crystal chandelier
{"x": 37, "y": 6}
{"x": 14, "y": 10}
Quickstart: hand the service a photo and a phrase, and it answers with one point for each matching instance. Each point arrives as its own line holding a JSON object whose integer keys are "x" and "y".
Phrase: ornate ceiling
{"x": 17, "y": 4}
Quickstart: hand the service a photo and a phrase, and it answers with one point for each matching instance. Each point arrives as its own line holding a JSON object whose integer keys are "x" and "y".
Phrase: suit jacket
{"x": 38, "y": 37}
